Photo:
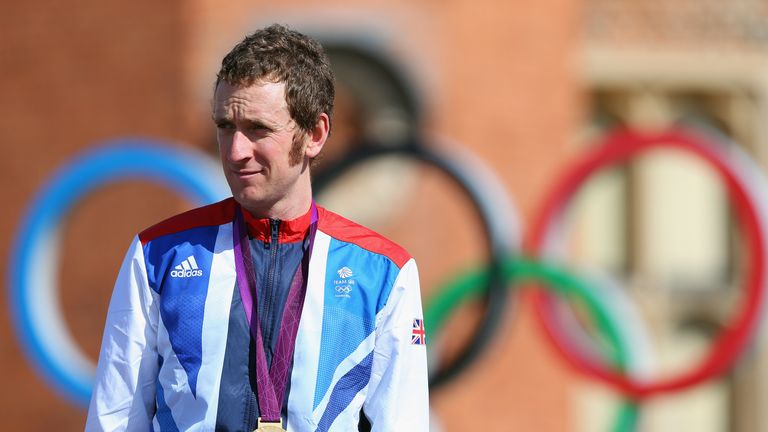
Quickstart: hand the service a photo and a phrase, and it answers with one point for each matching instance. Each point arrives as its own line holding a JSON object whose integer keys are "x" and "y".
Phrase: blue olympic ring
{"x": 38, "y": 322}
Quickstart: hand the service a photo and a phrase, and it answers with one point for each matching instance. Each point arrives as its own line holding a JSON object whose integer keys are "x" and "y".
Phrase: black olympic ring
{"x": 495, "y": 229}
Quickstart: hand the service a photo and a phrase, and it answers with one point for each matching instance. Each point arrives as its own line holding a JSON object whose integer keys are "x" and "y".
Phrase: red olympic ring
{"x": 619, "y": 147}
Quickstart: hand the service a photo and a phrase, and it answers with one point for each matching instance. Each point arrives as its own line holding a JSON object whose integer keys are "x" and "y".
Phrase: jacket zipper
{"x": 273, "y": 245}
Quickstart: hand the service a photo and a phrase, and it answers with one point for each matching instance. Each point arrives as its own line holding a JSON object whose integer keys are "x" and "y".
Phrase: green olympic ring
{"x": 469, "y": 286}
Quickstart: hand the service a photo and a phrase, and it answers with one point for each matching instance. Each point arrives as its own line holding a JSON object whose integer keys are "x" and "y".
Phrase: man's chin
{"x": 255, "y": 203}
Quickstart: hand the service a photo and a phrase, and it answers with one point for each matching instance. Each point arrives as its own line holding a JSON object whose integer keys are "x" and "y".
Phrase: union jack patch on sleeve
{"x": 418, "y": 336}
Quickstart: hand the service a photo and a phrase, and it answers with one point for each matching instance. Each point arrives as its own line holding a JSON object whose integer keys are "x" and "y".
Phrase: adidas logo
{"x": 187, "y": 268}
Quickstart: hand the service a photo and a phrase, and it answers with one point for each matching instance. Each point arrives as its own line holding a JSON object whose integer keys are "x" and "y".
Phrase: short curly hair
{"x": 279, "y": 54}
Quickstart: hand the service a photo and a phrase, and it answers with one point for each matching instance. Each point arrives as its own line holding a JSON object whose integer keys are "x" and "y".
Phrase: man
{"x": 264, "y": 310}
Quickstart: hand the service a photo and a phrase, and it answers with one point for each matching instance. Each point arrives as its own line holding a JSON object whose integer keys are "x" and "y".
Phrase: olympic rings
{"x": 500, "y": 224}
{"x": 516, "y": 271}
{"x": 37, "y": 318}
{"x": 619, "y": 147}
{"x": 46, "y": 341}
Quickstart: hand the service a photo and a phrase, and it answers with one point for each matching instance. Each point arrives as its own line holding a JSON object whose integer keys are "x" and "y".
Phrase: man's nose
{"x": 240, "y": 148}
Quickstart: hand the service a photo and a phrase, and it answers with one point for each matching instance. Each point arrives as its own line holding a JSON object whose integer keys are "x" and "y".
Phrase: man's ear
{"x": 318, "y": 136}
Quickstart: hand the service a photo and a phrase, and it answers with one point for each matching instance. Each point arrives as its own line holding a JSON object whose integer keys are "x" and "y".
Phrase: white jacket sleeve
{"x": 124, "y": 393}
{"x": 398, "y": 397}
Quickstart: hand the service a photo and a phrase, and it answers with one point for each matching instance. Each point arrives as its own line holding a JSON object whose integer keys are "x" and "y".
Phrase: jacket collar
{"x": 290, "y": 231}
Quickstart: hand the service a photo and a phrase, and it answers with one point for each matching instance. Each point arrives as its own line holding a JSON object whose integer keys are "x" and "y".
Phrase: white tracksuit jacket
{"x": 176, "y": 351}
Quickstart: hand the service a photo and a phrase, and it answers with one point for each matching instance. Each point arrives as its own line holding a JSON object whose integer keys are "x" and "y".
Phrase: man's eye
{"x": 224, "y": 126}
{"x": 258, "y": 128}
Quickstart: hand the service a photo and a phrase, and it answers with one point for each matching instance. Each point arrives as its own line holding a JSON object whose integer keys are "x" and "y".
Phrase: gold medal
{"x": 262, "y": 426}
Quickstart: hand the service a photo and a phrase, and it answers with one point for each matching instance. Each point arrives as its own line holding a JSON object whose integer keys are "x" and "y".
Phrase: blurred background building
{"x": 524, "y": 86}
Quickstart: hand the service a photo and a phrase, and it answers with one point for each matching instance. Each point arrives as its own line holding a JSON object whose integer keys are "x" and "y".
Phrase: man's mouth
{"x": 246, "y": 173}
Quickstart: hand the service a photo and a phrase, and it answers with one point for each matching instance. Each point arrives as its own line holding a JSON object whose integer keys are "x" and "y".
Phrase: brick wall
{"x": 496, "y": 77}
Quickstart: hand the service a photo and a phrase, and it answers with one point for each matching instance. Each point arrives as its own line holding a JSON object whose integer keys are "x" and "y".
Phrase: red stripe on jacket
{"x": 345, "y": 230}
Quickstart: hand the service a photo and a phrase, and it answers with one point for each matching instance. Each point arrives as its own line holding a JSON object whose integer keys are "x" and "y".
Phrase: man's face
{"x": 261, "y": 147}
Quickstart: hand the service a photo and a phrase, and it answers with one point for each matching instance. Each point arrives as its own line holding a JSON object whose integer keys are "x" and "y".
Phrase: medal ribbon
{"x": 271, "y": 381}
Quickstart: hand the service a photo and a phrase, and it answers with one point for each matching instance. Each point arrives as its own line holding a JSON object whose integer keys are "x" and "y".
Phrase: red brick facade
{"x": 496, "y": 77}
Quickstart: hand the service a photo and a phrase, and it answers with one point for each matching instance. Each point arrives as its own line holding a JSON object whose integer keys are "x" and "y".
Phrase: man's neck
{"x": 282, "y": 210}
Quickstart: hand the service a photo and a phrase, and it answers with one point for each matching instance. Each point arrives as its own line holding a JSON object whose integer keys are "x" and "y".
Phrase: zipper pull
{"x": 274, "y": 228}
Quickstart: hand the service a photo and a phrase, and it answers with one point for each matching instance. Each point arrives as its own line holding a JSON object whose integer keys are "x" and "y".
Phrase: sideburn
{"x": 296, "y": 155}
